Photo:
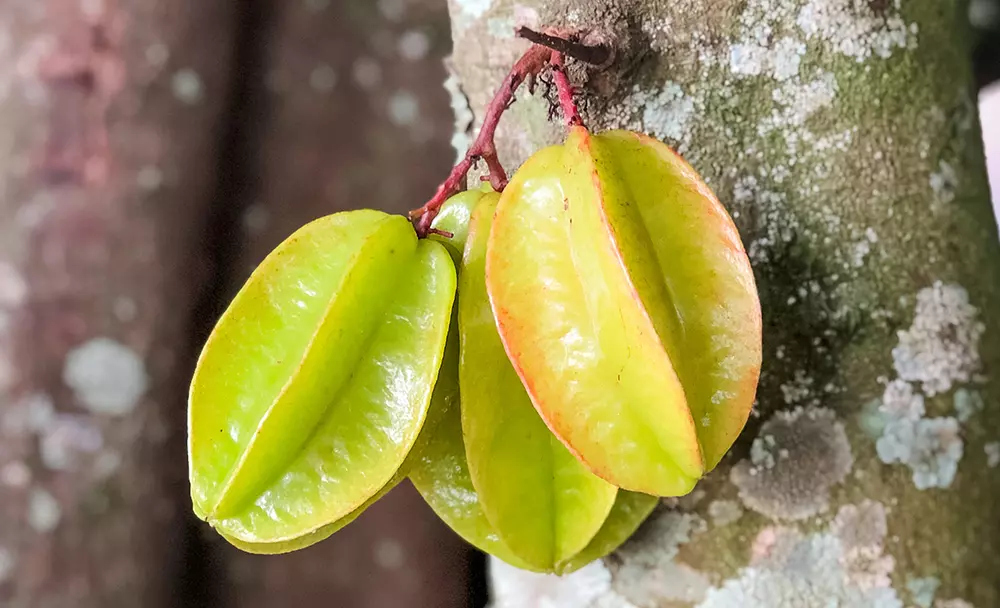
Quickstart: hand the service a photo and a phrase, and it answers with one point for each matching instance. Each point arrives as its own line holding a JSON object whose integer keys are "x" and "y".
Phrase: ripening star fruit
{"x": 626, "y": 303}
{"x": 544, "y": 504}
{"x": 509, "y": 487}
{"x": 312, "y": 389}
{"x": 440, "y": 472}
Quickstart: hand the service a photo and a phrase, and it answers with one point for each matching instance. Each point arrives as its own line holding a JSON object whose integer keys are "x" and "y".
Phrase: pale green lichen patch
{"x": 863, "y": 526}
{"x": 941, "y": 347}
{"x": 666, "y": 113}
{"x": 939, "y": 350}
{"x": 800, "y": 390}
{"x": 944, "y": 182}
{"x": 587, "y": 587}
{"x": 968, "y": 403}
{"x": 794, "y": 461}
{"x": 856, "y": 28}
{"x": 992, "y": 450}
{"x": 724, "y": 512}
{"x": 647, "y": 573}
{"x": 922, "y": 590}
{"x": 781, "y": 61}
{"x": 765, "y": 44}
{"x": 844, "y": 565}
{"x": 931, "y": 447}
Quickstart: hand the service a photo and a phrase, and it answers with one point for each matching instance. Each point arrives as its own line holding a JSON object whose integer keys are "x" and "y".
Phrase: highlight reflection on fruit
{"x": 602, "y": 350}
{"x": 524, "y": 479}
{"x": 314, "y": 385}
{"x": 627, "y": 304}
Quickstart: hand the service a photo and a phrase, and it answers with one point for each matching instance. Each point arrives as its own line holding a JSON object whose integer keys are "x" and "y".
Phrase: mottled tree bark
{"x": 842, "y": 136}
{"x": 346, "y": 111}
{"x": 108, "y": 117}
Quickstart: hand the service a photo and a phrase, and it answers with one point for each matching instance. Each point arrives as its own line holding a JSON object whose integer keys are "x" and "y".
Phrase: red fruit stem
{"x": 529, "y": 65}
{"x": 565, "y": 91}
{"x": 548, "y": 49}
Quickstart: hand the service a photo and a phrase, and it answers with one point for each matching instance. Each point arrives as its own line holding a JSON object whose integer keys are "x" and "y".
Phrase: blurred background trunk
{"x": 110, "y": 120}
{"x": 152, "y": 152}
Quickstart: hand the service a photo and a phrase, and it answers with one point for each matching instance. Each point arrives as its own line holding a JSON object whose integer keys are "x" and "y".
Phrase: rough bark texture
{"x": 843, "y": 137}
{"x": 108, "y": 116}
{"x": 345, "y": 110}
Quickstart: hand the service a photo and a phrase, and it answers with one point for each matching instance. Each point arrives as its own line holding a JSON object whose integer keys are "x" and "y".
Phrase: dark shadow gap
{"x": 202, "y": 580}
{"x": 986, "y": 58}
{"x": 479, "y": 593}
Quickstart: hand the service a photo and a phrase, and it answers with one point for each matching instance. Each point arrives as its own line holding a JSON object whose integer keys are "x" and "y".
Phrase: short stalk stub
{"x": 548, "y": 49}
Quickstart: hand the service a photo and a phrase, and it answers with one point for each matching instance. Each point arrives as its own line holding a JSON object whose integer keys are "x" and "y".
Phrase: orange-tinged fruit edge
{"x": 264, "y": 268}
{"x": 567, "y": 504}
{"x": 321, "y": 530}
{"x": 694, "y": 456}
{"x": 724, "y": 431}
{"x": 585, "y": 137}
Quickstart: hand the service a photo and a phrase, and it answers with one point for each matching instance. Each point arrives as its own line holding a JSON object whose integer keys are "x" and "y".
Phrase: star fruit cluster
{"x": 543, "y": 366}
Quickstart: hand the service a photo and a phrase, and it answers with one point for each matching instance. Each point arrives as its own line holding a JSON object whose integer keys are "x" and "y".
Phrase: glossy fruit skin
{"x": 543, "y": 502}
{"x": 441, "y": 473}
{"x": 311, "y": 538}
{"x": 438, "y": 409}
{"x": 441, "y": 476}
{"x": 314, "y": 384}
{"x": 627, "y": 514}
{"x": 626, "y": 302}
{"x": 454, "y": 216}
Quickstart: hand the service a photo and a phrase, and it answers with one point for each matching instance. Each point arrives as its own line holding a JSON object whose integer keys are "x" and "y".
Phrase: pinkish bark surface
{"x": 108, "y": 112}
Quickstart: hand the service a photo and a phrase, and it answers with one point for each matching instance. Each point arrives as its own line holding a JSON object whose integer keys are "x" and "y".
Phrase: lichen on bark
{"x": 843, "y": 138}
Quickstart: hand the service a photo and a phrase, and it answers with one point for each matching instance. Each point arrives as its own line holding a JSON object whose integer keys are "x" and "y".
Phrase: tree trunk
{"x": 842, "y": 136}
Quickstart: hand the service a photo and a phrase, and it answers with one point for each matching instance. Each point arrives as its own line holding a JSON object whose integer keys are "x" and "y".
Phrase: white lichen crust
{"x": 941, "y": 347}
{"x": 938, "y": 351}
{"x": 106, "y": 376}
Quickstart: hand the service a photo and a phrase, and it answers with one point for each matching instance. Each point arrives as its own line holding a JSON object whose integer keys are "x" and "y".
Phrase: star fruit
{"x": 312, "y": 388}
{"x": 509, "y": 487}
{"x": 626, "y": 303}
